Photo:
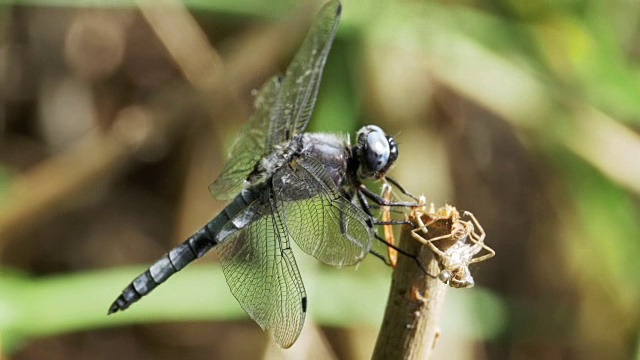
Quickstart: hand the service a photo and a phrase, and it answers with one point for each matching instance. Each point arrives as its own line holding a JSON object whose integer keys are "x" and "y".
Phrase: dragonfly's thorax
{"x": 332, "y": 151}
{"x": 281, "y": 155}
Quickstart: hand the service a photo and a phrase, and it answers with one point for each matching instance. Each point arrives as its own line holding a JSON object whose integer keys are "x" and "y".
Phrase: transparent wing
{"x": 249, "y": 145}
{"x": 300, "y": 87}
{"x": 318, "y": 218}
{"x": 262, "y": 273}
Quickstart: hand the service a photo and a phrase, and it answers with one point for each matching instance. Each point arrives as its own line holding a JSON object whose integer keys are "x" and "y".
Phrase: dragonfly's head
{"x": 376, "y": 151}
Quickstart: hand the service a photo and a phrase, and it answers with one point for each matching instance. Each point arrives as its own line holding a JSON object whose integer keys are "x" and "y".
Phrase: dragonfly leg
{"x": 380, "y": 201}
{"x": 367, "y": 209}
{"x": 364, "y": 204}
{"x": 413, "y": 257}
{"x": 362, "y": 200}
{"x": 402, "y": 189}
{"x": 381, "y": 257}
{"x": 395, "y": 222}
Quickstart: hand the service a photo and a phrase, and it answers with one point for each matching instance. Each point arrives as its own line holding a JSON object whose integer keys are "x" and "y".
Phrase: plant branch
{"x": 410, "y": 327}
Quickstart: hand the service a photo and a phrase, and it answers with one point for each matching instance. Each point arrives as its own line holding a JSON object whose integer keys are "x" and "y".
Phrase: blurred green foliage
{"x": 68, "y": 303}
{"x": 5, "y": 179}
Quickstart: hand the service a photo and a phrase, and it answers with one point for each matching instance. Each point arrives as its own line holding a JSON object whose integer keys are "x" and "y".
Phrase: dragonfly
{"x": 286, "y": 185}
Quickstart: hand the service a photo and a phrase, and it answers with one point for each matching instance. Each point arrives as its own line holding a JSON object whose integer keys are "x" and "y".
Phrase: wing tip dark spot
{"x": 304, "y": 304}
{"x": 339, "y": 9}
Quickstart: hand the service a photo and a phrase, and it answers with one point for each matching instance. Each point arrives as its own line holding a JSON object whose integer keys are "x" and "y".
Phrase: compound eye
{"x": 377, "y": 150}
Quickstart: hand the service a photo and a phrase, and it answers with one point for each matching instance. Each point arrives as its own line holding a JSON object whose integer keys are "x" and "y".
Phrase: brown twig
{"x": 410, "y": 327}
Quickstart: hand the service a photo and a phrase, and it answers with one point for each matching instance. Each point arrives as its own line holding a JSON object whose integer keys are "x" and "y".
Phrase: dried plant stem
{"x": 38, "y": 194}
{"x": 48, "y": 187}
{"x": 410, "y": 327}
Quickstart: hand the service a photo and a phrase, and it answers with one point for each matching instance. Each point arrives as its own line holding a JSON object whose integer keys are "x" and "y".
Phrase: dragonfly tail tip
{"x": 115, "y": 307}
{"x": 112, "y": 309}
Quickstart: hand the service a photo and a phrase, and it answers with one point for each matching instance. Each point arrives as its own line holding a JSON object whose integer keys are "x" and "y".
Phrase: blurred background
{"x": 116, "y": 115}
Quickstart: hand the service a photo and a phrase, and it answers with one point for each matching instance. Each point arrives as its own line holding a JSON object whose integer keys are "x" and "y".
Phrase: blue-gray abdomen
{"x": 182, "y": 255}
